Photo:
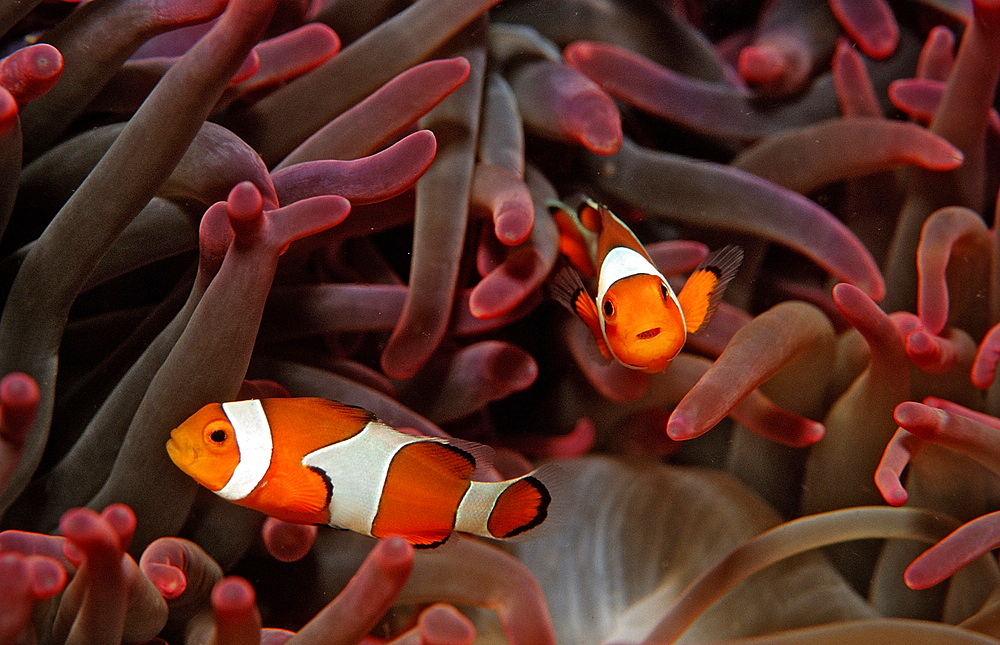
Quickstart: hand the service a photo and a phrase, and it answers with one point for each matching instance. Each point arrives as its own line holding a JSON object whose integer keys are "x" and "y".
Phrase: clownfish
{"x": 315, "y": 461}
{"x": 636, "y": 318}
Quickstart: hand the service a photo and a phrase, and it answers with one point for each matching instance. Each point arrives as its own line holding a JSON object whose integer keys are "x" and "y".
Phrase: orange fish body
{"x": 636, "y": 318}
{"x": 314, "y": 461}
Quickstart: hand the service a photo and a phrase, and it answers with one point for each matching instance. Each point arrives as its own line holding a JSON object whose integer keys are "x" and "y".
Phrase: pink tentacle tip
{"x": 48, "y": 577}
{"x": 761, "y": 64}
{"x": 896, "y": 456}
{"x": 984, "y": 365}
{"x": 810, "y": 432}
{"x": 94, "y": 536}
{"x": 680, "y": 427}
{"x": 442, "y": 624}
{"x": 394, "y": 556}
{"x": 888, "y": 472}
{"x": 31, "y": 71}
{"x": 121, "y": 518}
{"x": 869, "y": 23}
{"x": 960, "y": 547}
{"x": 513, "y": 223}
{"x": 169, "y": 580}
{"x": 233, "y": 597}
{"x": 919, "y": 419}
{"x": 287, "y": 542}
{"x": 930, "y": 353}
{"x": 245, "y": 207}
{"x": 512, "y": 367}
{"x": 594, "y": 121}
{"x": 19, "y": 397}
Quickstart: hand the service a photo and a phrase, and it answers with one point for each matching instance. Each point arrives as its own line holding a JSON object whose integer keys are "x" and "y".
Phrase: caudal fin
{"x": 503, "y": 510}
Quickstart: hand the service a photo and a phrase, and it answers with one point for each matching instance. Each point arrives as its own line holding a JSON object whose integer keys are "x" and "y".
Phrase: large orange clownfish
{"x": 636, "y": 318}
{"x": 315, "y": 461}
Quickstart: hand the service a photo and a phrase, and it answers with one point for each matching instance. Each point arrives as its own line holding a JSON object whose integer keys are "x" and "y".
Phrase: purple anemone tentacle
{"x": 384, "y": 114}
{"x": 790, "y": 328}
{"x": 475, "y": 376}
{"x": 501, "y": 132}
{"x": 855, "y": 93}
{"x": 937, "y": 55}
{"x": 81, "y": 472}
{"x": 374, "y": 178}
{"x": 288, "y": 116}
{"x": 108, "y": 599}
{"x": 560, "y": 103}
{"x": 845, "y": 148}
{"x": 287, "y": 542}
{"x": 869, "y": 23}
{"x": 236, "y": 619}
{"x": 120, "y": 28}
{"x": 962, "y": 119}
{"x": 707, "y": 194}
{"x": 960, "y": 547}
{"x": 284, "y": 58}
{"x": 859, "y": 424}
{"x": 793, "y": 39}
{"x": 368, "y": 595}
{"x": 954, "y": 251}
{"x": 441, "y": 217}
{"x": 515, "y": 596}
{"x": 175, "y": 117}
{"x": 214, "y": 350}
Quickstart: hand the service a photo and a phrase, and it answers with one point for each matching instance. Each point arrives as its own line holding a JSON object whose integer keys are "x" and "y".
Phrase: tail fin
{"x": 503, "y": 510}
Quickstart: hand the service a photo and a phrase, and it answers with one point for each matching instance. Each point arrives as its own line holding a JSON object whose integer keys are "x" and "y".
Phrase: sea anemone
{"x": 210, "y": 200}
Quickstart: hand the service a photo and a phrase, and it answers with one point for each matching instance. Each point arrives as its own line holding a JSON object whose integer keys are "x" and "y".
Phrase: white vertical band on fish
{"x": 357, "y": 468}
{"x": 253, "y": 438}
{"x": 622, "y": 262}
{"x": 474, "y": 512}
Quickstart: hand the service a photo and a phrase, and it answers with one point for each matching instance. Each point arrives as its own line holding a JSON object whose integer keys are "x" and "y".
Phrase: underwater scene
{"x": 535, "y": 322}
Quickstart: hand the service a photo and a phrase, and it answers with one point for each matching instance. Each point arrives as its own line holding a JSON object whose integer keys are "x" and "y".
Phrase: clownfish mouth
{"x": 649, "y": 333}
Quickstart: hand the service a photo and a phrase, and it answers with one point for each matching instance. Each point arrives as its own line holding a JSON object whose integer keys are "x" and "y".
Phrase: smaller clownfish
{"x": 315, "y": 461}
{"x": 636, "y": 318}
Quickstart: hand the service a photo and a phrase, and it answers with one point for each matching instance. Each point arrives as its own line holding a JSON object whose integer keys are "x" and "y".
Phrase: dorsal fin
{"x": 573, "y": 239}
{"x": 591, "y": 217}
{"x": 616, "y": 233}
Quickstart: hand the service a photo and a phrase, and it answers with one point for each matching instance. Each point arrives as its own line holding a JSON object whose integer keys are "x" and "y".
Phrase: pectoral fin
{"x": 703, "y": 290}
{"x": 567, "y": 288}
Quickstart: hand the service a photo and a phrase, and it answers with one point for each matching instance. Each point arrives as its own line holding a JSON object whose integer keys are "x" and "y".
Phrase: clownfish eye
{"x": 609, "y": 309}
{"x": 663, "y": 290}
{"x": 217, "y": 434}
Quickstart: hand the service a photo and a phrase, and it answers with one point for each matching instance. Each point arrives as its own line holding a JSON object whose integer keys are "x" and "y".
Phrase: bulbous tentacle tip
{"x": 19, "y": 397}
{"x": 233, "y": 597}
{"x": 245, "y": 203}
{"x": 169, "y": 580}
{"x": 442, "y": 624}
{"x": 181, "y": 12}
{"x": 761, "y": 64}
{"x": 679, "y": 427}
{"x": 48, "y": 577}
{"x": 287, "y": 542}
